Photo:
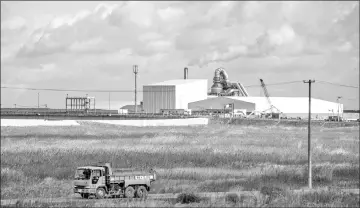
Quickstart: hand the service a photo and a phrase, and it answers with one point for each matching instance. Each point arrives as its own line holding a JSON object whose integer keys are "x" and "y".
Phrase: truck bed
{"x": 119, "y": 178}
{"x": 131, "y": 173}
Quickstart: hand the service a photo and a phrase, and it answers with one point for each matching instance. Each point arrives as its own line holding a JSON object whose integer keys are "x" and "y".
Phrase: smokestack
{"x": 185, "y": 73}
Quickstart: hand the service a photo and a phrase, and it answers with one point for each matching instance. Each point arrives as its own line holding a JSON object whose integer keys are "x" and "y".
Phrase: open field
{"x": 40, "y": 161}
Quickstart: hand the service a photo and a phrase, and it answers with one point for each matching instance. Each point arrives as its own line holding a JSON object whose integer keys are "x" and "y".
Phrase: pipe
{"x": 241, "y": 89}
{"x": 221, "y": 73}
{"x": 186, "y": 73}
{"x": 244, "y": 90}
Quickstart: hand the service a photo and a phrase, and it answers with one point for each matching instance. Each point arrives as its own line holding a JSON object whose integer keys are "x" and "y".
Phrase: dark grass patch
{"x": 232, "y": 198}
{"x": 320, "y": 197}
{"x": 351, "y": 172}
{"x": 187, "y": 198}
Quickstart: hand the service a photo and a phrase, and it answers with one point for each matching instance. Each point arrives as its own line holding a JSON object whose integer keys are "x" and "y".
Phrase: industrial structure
{"x": 192, "y": 94}
{"x": 223, "y": 87}
{"x": 289, "y": 106}
{"x": 79, "y": 103}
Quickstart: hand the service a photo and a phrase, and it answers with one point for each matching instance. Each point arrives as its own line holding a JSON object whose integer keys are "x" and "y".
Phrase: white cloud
{"x": 87, "y": 45}
{"x": 110, "y": 38}
{"x": 169, "y": 14}
{"x": 345, "y": 47}
{"x": 13, "y": 23}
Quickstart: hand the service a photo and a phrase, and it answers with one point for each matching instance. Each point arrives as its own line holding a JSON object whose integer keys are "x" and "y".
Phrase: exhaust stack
{"x": 186, "y": 73}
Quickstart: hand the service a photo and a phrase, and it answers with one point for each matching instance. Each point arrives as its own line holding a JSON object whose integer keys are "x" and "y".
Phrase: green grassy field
{"x": 40, "y": 161}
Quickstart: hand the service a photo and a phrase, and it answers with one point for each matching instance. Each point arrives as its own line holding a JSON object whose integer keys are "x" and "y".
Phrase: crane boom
{"x": 268, "y": 97}
{"x": 266, "y": 94}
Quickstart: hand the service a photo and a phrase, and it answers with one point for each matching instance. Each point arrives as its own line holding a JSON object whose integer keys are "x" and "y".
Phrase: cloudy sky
{"x": 93, "y": 45}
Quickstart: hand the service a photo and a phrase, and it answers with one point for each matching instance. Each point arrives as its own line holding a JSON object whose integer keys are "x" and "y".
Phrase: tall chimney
{"x": 185, "y": 73}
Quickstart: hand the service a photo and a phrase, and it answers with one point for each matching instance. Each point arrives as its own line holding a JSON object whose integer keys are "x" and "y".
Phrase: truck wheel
{"x": 141, "y": 192}
{"x": 85, "y": 196}
{"x": 100, "y": 193}
{"x": 129, "y": 192}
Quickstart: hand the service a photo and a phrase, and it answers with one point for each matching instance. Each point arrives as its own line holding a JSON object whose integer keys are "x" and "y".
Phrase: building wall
{"x": 219, "y": 103}
{"x": 158, "y": 97}
{"x": 190, "y": 92}
{"x": 173, "y": 94}
{"x": 295, "y": 105}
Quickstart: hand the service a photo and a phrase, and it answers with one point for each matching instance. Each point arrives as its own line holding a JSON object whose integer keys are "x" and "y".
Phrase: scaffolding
{"x": 79, "y": 103}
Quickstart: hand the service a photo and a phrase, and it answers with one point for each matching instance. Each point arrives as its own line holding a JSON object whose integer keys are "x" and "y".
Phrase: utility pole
{"x": 309, "y": 136}
{"x": 338, "y": 101}
{"x": 38, "y": 99}
{"x": 109, "y": 100}
{"x": 135, "y": 70}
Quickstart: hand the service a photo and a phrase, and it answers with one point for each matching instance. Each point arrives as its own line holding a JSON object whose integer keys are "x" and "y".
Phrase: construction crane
{"x": 274, "y": 113}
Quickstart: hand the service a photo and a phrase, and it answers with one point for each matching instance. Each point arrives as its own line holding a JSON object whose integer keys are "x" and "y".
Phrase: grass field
{"x": 40, "y": 161}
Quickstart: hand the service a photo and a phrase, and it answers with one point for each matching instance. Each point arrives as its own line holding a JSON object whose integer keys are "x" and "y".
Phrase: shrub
{"x": 320, "y": 197}
{"x": 187, "y": 198}
{"x": 351, "y": 200}
{"x": 232, "y": 198}
{"x": 272, "y": 192}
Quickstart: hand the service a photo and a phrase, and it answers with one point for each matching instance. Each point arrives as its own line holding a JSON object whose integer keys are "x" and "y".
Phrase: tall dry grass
{"x": 212, "y": 158}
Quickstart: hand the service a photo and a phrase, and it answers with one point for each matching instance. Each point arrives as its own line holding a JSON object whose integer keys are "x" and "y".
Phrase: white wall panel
{"x": 173, "y": 94}
{"x": 190, "y": 92}
{"x": 298, "y": 105}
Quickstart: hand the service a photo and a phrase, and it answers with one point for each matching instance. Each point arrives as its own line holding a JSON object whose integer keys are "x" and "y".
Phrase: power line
{"x": 280, "y": 83}
{"x": 64, "y": 90}
{"x": 92, "y": 90}
{"x": 130, "y": 91}
{"x": 342, "y": 85}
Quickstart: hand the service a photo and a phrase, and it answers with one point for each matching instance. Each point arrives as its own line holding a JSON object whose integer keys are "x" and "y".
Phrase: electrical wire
{"x": 280, "y": 83}
{"x": 342, "y": 85}
{"x": 92, "y": 90}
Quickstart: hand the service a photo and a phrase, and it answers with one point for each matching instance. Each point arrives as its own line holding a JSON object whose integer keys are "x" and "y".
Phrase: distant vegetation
{"x": 40, "y": 161}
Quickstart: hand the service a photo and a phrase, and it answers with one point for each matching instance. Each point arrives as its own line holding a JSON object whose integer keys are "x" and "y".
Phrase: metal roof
{"x": 275, "y": 99}
{"x": 175, "y": 82}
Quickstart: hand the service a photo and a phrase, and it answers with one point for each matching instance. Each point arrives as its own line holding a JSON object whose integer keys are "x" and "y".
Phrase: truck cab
{"x": 101, "y": 181}
{"x": 88, "y": 179}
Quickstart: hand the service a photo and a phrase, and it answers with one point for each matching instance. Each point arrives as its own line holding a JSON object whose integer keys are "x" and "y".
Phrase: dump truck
{"x": 102, "y": 181}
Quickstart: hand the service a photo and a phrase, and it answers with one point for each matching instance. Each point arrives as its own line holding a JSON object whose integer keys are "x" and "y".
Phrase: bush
{"x": 321, "y": 197}
{"x": 272, "y": 193}
{"x": 232, "y": 198}
{"x": 351, "y": 200}
{"x": 187, "y": 198}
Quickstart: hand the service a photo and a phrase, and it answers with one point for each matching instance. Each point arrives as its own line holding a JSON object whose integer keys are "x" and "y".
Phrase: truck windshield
{"x": 82, "y": 174}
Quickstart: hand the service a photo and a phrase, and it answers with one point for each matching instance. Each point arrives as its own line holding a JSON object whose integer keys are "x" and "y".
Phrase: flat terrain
{"x": 40, "y": 161}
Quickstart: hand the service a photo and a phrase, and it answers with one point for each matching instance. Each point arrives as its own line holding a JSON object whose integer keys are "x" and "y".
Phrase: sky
{"x": 93, "y": 45}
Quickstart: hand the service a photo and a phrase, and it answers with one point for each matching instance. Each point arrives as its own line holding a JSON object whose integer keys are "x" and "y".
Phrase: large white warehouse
{"x": 173, "y": 94}
{"x": 289, "y": 106}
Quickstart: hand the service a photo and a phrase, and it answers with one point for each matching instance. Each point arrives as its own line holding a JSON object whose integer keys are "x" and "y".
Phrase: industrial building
{"x": 191, "y": 94}
{"x": 213, "y": 103}
{"x": 173, "y": 94}
{"x": 288, "y": 106}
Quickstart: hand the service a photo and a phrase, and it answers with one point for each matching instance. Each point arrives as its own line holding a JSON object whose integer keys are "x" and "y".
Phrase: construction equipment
{"x": 274, "y": 112}
{"x": 102, "y": 181}
{"x": 223, "y": 87}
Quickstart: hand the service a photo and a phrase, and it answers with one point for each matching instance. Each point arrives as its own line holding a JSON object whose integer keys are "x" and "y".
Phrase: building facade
{"x": 173, "y": 94}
